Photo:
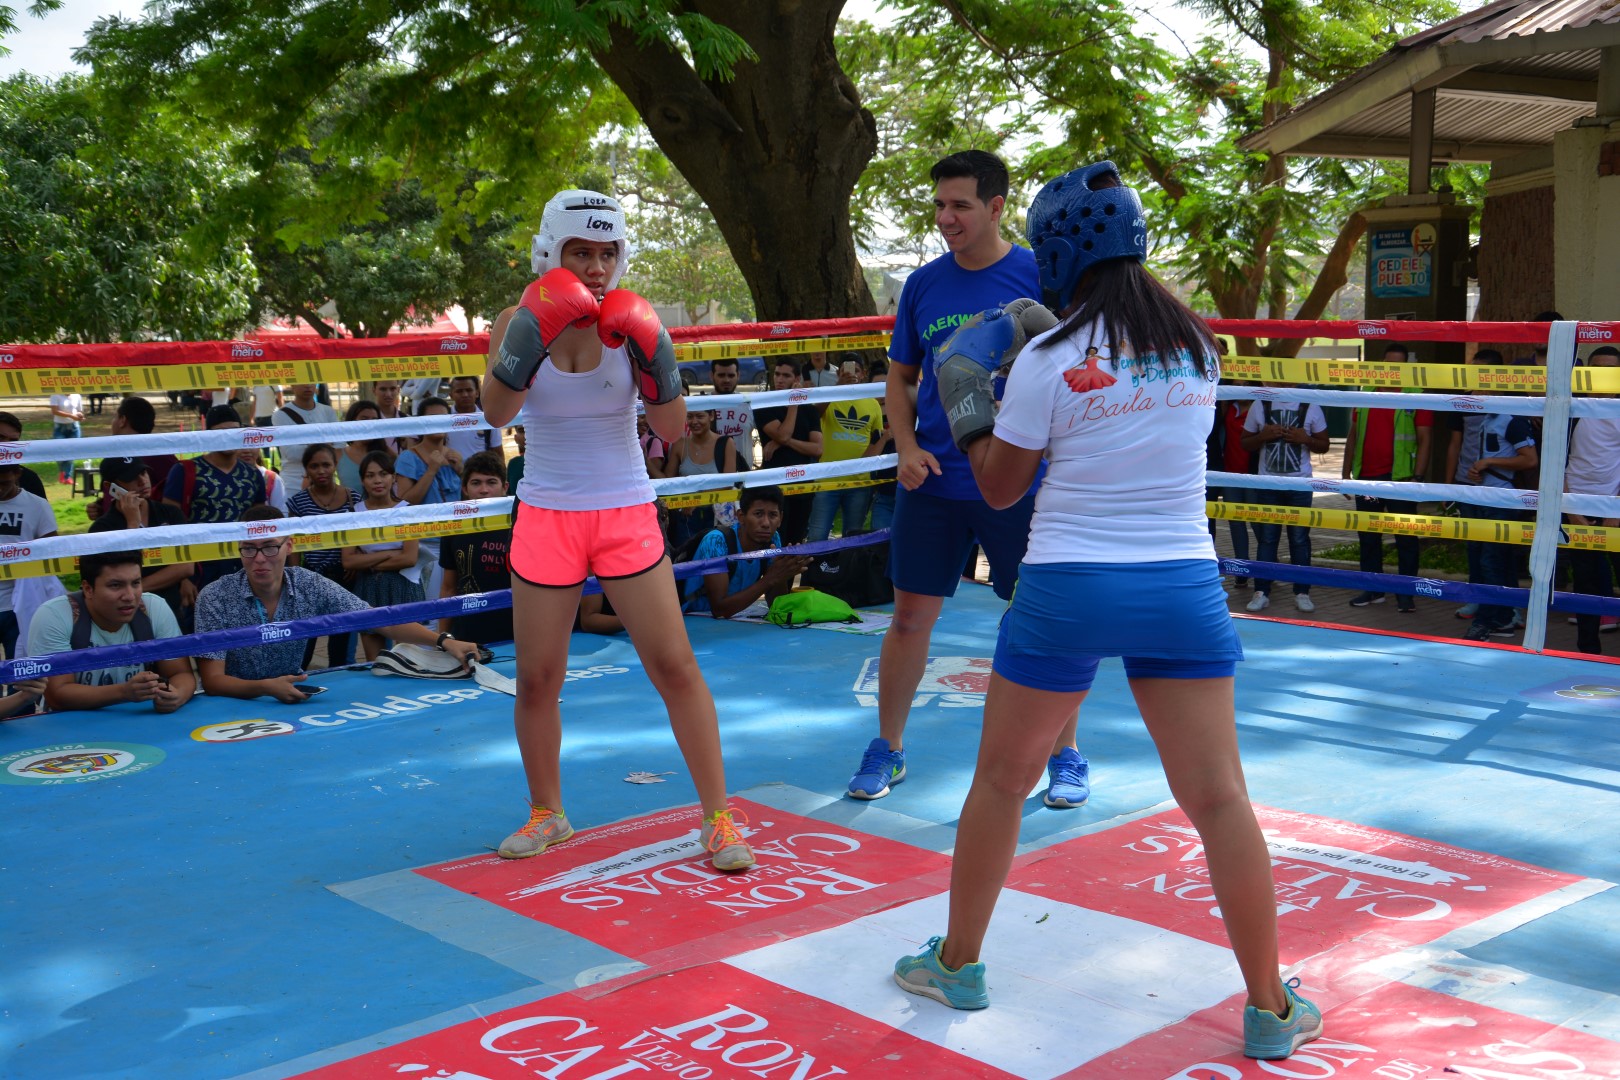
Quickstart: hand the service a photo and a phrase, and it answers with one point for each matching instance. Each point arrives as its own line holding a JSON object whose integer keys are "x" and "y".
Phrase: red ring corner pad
{"x": 645, "y": 888}
{"x": 709, "y": 1021}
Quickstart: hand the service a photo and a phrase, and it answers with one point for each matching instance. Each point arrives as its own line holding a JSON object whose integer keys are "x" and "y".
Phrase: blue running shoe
{"x": 928, "y": 976}
{"x": 880, "y": 767}
{"x": 1068, "y": 780}
{"x": 1270, "y": 1038}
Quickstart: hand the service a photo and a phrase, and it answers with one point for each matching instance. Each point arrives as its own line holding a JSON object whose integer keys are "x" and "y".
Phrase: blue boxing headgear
{"x": 1072, "y": 228}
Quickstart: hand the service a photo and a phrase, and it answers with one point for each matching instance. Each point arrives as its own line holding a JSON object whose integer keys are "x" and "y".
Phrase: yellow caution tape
{"x": 720, "y": 495}
{"x": 20, "y": 382}
{"x": 724, "y": 350}
{"x": 184, "y": 553}
{"x": 1436, "y": 378}
{"x": 1583, "y": 537}
{"x": 162, "y": 377}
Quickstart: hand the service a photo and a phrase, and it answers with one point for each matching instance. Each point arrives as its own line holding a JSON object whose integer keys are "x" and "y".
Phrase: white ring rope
{"x": 1463, "y": 403}
{"x": 345, "y": 431}
{"x": 57, "y": 547}
{"x": 1410, "y": 491}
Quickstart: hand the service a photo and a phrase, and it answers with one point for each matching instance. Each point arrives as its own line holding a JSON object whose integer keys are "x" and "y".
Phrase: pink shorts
{"x": 561, "y": 548}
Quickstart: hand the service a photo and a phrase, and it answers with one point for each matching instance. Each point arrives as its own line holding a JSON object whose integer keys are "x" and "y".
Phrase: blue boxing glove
{"x": 975, "y": 356}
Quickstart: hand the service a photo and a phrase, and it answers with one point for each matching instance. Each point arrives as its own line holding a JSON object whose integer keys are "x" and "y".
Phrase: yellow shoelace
{"x": 725, "y": 829}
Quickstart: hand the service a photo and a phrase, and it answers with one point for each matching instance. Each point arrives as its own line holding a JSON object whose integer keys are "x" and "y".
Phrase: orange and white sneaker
{"x": 728, "y": 850}
{"x": 546, "y": 827}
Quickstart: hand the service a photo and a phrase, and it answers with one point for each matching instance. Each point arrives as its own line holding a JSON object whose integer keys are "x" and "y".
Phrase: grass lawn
{"x": 1447, "y": 556}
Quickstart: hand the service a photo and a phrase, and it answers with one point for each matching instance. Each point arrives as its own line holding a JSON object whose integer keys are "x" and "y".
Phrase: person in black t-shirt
{"x": 129, "y": 486}
{"x": 11, "y": 431}
{"x": 477, "y": 562}
{"x": 790, "y": 435}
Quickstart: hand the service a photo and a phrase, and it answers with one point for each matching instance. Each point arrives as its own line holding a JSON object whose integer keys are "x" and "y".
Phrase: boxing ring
{"x": 252, "y": 889}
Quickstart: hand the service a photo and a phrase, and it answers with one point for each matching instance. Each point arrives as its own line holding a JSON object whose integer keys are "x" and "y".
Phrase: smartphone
{"x": 117, "y": 492}
{"x": 311, "y": 691}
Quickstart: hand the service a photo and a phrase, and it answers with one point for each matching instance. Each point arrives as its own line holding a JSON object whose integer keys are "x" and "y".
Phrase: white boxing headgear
{"x": 579, "y": 215}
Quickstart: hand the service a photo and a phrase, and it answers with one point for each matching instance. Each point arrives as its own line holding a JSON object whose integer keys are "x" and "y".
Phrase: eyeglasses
{"x": 250, "y": 551}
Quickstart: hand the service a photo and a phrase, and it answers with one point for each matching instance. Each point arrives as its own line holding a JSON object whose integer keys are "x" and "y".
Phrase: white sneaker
{"x": 1304, "y": 602}
{"x": 1258, "y": 602}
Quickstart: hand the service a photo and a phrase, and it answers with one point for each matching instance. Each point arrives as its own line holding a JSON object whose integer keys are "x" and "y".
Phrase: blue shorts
{"x": 930, "y": 538}
{"x": 1168, "y": 620}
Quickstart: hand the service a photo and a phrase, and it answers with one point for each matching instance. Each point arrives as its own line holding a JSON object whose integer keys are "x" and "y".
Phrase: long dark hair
{"x": 1134, "y": 308}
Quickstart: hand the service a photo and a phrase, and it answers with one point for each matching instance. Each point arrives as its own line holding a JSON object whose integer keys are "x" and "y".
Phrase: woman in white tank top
{"x": 585, "y": 505}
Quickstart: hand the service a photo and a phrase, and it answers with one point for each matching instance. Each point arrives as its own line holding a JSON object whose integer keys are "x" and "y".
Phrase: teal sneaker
{"x": 880, "y": 767}
{"x": 1269, "y": 1037}
{"x": 927, "y": 975}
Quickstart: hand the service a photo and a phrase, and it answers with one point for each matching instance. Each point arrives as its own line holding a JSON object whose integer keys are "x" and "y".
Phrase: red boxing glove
{"x": 629, "y": 321}
{"x": 550, "y": 305}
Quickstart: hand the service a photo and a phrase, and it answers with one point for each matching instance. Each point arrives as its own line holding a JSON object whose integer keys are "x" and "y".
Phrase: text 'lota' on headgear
{"x": 579, "y": 215}
{"x": 1073, "y": 225}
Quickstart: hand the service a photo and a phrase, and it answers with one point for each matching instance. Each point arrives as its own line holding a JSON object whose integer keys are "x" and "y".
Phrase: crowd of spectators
{"x": 120, "y": 600}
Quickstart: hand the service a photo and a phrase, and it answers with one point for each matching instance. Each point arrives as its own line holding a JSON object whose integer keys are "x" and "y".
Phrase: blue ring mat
{"x": 204, "y": 917}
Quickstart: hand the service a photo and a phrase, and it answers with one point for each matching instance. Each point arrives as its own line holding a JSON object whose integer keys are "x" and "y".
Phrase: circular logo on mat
{"x": 77, "y": 763}
{"x": 243, "y": 730}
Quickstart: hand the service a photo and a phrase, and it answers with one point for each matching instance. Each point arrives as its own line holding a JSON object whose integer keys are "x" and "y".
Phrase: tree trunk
{"x": 760, "y": 142}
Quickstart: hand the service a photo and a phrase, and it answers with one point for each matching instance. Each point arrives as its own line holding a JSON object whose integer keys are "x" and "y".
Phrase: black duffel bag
{"x": 859, "y": 576}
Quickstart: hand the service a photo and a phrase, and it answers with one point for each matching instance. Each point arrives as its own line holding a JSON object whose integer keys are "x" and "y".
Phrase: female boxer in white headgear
{"x": 1118, "y": 399}
{"x": 573, "y": 355}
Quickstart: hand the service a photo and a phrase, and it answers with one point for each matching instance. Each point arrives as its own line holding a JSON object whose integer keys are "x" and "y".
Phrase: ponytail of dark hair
{"x": 1135, "y": 308}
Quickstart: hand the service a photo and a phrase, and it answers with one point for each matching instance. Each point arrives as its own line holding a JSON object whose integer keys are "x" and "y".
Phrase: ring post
{"x": 1549, "y": 505}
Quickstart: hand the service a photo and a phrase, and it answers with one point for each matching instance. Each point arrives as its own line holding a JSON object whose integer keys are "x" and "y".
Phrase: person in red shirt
{"x": 1387, "y": 444}
{"x": 1226, "y": 454}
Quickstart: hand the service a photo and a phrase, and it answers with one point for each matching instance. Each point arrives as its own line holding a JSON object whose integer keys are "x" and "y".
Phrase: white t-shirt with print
{"x": 1125, "y": 447}
{"x": 1283, "y": 458}
{"x": 737, "y": 424}
{"x": 23, "y": 517}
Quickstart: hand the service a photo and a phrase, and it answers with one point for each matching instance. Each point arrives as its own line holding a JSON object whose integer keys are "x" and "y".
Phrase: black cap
{"x": 121, "y": 470}
{"x": 220, "y": 415}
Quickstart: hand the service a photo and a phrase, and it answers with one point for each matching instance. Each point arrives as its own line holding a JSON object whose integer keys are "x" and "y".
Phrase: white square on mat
{"x": 1066, "y": 984}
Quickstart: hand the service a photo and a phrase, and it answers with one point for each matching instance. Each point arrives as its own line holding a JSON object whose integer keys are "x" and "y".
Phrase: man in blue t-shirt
{"x": 938, "y": 513}
{"x": 724, "y": 593}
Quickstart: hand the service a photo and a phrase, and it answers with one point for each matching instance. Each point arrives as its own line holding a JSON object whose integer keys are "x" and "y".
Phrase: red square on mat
{"x": 1396, "y": 1032}
{"x": 644, "y": 887}
{"x": 710, "y": 1021}
{"x": 1361, "y": 891}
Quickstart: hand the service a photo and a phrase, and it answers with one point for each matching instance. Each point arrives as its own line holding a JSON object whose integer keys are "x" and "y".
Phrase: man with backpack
{"x": 1285, "y": 435}
{"x": 214, "y": 488}
{"x": 726, "y": 592}
{"x": 302, "y": 409}
{"x": 111, "y": 609}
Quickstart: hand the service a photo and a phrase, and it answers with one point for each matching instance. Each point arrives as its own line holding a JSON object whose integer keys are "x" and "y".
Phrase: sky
{"x": 44, "y": 47}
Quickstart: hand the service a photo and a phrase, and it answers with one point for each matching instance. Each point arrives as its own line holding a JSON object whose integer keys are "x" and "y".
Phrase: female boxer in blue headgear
{"x": 1118, "y": 398}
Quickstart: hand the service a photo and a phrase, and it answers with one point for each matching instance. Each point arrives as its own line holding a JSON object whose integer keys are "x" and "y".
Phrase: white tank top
{"x": 580, "y": 430}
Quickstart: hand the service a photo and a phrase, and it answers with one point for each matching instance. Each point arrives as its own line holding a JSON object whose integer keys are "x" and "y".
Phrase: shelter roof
{"x": 1507, "y": 77}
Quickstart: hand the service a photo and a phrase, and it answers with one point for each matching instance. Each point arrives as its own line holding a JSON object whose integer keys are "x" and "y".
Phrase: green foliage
{"x": 111, "y": 232}
{"x": 955, "y": 76}
{"x": 680, "y": 256}
{"x": 8, "y": 17}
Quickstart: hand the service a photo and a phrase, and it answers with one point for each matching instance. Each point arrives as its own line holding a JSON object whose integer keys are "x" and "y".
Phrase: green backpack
{"x": 809, "y": 606}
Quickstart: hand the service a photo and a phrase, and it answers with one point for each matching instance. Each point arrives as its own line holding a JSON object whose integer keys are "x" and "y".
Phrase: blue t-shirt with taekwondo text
{"x": 936, "y": 299}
